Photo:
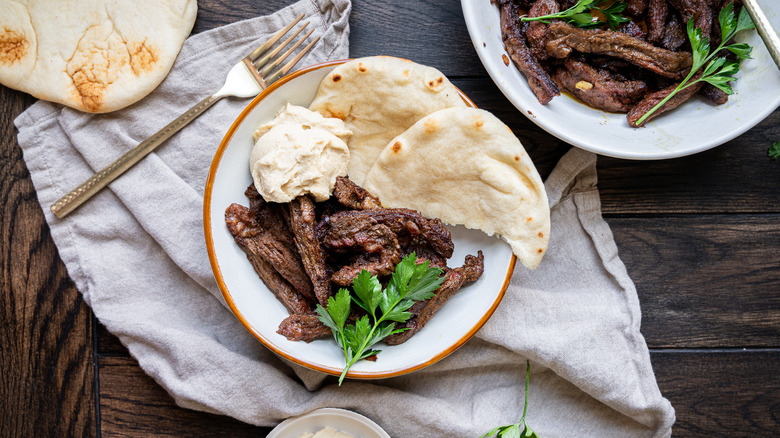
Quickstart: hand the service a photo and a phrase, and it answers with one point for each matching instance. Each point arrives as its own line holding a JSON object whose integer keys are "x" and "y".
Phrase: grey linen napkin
{"x": 137, "y": 254}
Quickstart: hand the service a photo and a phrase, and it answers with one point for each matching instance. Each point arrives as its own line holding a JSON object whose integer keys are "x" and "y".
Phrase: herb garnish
{"x": 519, "y": 430}
{"x": 581, "y": 14}
{"x": 719, "y": 71}
{"x": 774, "y": 150}
{"x": 409, "y": 283}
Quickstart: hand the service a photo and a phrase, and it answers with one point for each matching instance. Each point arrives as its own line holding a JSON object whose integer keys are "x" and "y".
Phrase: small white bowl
{"x": 339, "y": 419}
{"x": 693, "y": 127}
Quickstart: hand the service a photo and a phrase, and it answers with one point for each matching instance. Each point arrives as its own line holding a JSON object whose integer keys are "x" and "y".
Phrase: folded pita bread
{"x": 378, "y": 98}
{"x": 92, "y": 55}
{"x": 464, "y": 166}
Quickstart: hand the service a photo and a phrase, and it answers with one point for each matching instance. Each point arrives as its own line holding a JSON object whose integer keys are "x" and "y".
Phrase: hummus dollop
{"x": 299, "y": 152}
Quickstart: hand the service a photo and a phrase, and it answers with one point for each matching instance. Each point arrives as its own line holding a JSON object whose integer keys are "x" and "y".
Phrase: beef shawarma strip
{"x": 302, "y": 221}
{"x": 453, "y": 280}
{"x": 636, "y": 8}
{"x": 536, "y": 33}
{"x": 599, "y": 89}
{"x": 674, "y": 34}
{"x": 563, "y": 38}
{"x": 260, "y": 242}
{"x": 356, "y": 233}
{"x": 513, "y": 35}
{"x": 303, "y": 327}
{"x": 651, "y": 100}
{"x": 353, "y": 196}
{"x": 657, "y": 11}
{"x": 697, "y": 10}
{"x": 245, "y": 234}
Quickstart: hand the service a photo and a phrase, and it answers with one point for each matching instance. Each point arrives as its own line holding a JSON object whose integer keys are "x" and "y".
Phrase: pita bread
{"x": 92, "y": 55}
{"x": 464, "y": 166}
{"x": 378, "y": 98}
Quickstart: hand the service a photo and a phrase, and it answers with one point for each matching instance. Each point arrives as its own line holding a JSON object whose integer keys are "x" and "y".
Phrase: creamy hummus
{"x": 326, "y": 433}
{"x": 299, "y": 152}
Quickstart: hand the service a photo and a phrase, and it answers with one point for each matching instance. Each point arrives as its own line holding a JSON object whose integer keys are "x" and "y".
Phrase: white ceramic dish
{"x": 257, "y": 308}
{"x": 693, "y": 127}
{"x": 339, "y": 419}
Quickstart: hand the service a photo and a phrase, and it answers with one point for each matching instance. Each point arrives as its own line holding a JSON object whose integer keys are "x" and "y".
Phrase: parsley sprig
{"x": 519, "y": 430}
{"x": 718, "y": 71}
{"x": 774, "y": 151}
{"x": 409, "y": 283}
{"x": 581, "y": 14}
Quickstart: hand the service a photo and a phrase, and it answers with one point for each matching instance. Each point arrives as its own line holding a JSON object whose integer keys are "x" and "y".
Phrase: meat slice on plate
{"x": 302, "y": 221}
{"x": 651, "y": 100}
{"x": 275, "y": 264}
{"x": 305, "y": 327}
{"x": 564, "y": 38}
{"x": 423, "y": 311}
{"x": 598, "y": 88}
{"x": 353, "y": 196}
{"x": 536, "y": 33}
{"x": 513, "y": 34}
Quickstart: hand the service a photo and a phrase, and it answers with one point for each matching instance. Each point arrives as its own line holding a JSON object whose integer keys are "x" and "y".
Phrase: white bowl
{"x": 260, "y": 312}
{"x": 339, "y": 419}
{"x": 693, "y": 127}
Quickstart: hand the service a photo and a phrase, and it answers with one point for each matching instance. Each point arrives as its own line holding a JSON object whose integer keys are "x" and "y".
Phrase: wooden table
{"x": 700, "y": 236}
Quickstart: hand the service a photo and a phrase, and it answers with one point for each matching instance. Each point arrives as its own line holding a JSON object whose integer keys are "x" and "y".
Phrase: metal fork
{"x": 247, "y": 78}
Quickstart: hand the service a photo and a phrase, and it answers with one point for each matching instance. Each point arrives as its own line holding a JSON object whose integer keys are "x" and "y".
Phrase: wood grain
{"x": 47, "y": 383}
{"x": 133, "y": 405}
{"x": 721, "y": 393}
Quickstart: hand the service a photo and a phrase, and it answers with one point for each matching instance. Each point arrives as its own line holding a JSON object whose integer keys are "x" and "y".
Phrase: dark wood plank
{"x": 134, "y": 405}
{"x": 47, "y": 384}
{"x": 705, "y": 281}
{"x": 721, "y": 393}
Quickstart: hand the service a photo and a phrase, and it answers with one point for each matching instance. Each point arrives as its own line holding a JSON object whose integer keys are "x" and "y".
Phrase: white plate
{"x": 693, "y": 127}
{"x": 339, "y": 419}
{"x": 260, "y": 312}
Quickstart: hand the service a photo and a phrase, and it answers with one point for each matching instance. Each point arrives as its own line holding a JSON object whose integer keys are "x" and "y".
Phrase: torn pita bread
{"x": 464, "y": 166}
{"x": 93, "y": 55}
{"x": 378, "y": 98}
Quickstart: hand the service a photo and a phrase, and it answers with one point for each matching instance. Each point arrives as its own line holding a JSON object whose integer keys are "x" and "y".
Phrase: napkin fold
{"x": 137, "y": 254}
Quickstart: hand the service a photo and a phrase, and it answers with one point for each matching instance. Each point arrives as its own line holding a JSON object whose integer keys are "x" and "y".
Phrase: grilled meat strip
{"x": 674, "y": 34}
{"x": 276, "y": 264}
{"x": 513, "y": 34}
{"x": 536, "y": 33}
{"x": 563, "y": 38}
{"x": 377, "y": 245}
{"x": 651, "y": 100}
{"x": 302, "y": 221}
{"x": 304, "y": 327}
{"x": 598, "y": 88}
{"x": 353, "y": 196}
{"x": 423, "y": 311}
{"x": 636, "y": 8}
{"x": 657, "y": 10}
{"x": 697, "y": 10}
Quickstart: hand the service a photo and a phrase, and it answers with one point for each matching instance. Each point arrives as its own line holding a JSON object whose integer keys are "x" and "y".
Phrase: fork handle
{"x": 94, "y": 184}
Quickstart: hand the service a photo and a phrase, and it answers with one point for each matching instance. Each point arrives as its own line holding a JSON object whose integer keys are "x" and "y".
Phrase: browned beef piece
{"x": 353, "y": 196}
{"x": 657, "y": 11}
{"x": 563, "y": 38}
{"x": 536, "y": 32}
{"x": 513, "y": 34}
{"x": 674, "y": 34}
{"x": 714, "y": 95}
{"x": 411, "y": 225}
{"x": 302, "y": 222}
{"x": 277, "y": 267}
{"x": 636, "y": 8}
{"x": 453, "y": 280}
{"x": 267, "y": 238}
{"x": 630, "y": 28}
{"x": 599, "y": 89}
{"x": 375, "y": 243}
{"x": 697, "y": 10}
{"x": 424, "y": 253}
{"x": 651, "y": 100}
{"x": 304, "y": 327}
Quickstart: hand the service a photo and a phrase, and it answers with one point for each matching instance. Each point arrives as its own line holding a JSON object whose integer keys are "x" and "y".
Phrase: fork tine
{"x": 287, "y": 67}
{"x": 270, "y": 55}
{"x": 272, "y": 66}
{"x": 267, "y": 45}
